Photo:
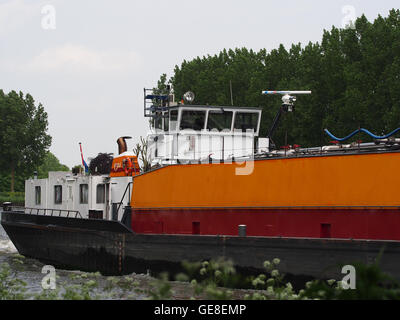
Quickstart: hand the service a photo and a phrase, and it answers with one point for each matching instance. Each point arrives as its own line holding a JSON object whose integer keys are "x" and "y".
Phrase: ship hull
{"x": 111, "y": 248}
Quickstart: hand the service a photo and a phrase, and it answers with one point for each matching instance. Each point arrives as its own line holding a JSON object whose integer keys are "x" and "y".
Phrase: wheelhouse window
{"x": 38, "y": 195}
{"x": 173, "y": 120}
{"x": 166, "y": 121}
{"x": 101, "y": 193}
{"x": 246, "y": 121}
{"x": 193, "y": 119}
{"x": 57, "y": 194}
{"x": 158, "y": 121}
{"x": 219, "y": 120}
{"x": 83, "y": 193}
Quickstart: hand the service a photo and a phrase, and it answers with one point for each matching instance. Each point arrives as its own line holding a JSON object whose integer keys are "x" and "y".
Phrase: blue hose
{"x": 363, "y": 130}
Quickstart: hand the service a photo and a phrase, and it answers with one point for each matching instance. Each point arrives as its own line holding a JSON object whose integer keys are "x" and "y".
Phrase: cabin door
{"x": 70, "y": 197}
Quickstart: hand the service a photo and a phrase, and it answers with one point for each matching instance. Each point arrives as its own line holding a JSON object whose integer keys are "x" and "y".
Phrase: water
{"x": 6, "y": 245}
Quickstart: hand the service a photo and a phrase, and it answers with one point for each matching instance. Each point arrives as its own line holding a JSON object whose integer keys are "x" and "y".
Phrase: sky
{"x": 87, "y": 62}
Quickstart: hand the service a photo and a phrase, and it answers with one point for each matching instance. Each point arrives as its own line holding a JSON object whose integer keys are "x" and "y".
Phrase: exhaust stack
{"x": 122, "y": 147}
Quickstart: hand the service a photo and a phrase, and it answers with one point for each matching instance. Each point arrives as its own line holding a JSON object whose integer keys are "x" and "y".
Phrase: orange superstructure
{"x": 338, "y": 180}
{"x": 124, "y": 165}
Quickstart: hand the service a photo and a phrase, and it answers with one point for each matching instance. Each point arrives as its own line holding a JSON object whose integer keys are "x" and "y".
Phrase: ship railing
{"x": 52, "y": 212}
{"x": 128, "y": 187}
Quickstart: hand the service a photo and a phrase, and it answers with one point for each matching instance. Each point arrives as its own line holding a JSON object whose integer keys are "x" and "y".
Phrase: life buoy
{"x": 127, "y": 165}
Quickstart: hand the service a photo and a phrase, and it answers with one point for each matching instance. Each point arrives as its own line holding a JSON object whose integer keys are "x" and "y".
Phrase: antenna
{"x": 288, "y": 101}
{"x": 286, "y": 92}
{"x": 230, "y": 86}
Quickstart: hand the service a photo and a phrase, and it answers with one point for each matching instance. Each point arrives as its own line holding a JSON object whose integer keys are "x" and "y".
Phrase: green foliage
{"x": 19, "y": 181}
{"x": 11, "y": 288}
{"x": 215, "y": 276}
{"x": 17, "y": 198}
{"x": 212, "y": 280}
{"x": 272, "y": 285}
{"x": 162, "y": 85}
{"x": 83, "y": 291}
{"x": 354, "y": 74}
{"x": 371, "y": 284}
{"x": 23, "y": 136}
{"x": 50, "y": 163}
{"x": 161, "y": 288}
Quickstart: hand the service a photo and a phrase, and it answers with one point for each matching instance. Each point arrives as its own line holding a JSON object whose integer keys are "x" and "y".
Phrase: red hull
{"x": 381, "y": 223}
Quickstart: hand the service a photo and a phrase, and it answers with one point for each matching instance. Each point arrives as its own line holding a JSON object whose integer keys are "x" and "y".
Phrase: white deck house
{"x": 189, "y": 133}
{"x": 64, "y": 193}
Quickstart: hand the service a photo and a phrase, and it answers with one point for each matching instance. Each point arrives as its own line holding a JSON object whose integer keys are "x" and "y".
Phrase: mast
{"x": 288, "y": 101}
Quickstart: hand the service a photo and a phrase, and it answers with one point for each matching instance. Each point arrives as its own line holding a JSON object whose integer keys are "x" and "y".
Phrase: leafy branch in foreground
{"x": 217, "y": 279}
{"x": 214, "y": 280}
{"x": 11, "y": 288}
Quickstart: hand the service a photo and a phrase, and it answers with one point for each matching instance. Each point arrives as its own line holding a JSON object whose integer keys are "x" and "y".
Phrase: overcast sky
{"x": 88, "y": 61}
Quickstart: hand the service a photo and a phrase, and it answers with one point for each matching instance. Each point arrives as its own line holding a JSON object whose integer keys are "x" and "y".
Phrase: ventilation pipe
{"x": 122, "y": 144}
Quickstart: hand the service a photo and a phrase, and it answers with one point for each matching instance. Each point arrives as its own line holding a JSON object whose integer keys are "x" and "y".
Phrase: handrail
{"x": 123, "y": 196}
{"x": 52, "y": 211}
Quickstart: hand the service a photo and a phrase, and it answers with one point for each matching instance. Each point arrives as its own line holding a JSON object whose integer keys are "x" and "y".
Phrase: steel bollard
{"x": 242, "y": 230}
{"x": 7, "y": 206}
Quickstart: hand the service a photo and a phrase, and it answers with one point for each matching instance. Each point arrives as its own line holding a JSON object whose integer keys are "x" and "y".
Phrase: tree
{"x": 142, "y": 153}
{"x": 101, "y": 164}
{"x": 23, "y": 136}
{"x": 50, "y": 163}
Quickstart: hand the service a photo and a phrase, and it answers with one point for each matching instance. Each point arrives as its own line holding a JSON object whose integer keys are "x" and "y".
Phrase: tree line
{"x": 24, "y": 141}
{"x": 353, "y": 73}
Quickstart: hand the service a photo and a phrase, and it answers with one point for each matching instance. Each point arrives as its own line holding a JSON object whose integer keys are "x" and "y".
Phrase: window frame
{"x": 103, "y": 185}
{"x": 81, "y": 195}
{"x": 60, "y": 188}
{"x": 218, "y": 111}
{"x": 170, "y": 127}
{"x": 38, "y": 188}
{"x": 257, "y": 128}
{"x": 191, "y": 110}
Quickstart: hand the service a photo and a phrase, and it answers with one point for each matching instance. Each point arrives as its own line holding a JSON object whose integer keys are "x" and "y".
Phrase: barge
{"x": 213, "y": 188}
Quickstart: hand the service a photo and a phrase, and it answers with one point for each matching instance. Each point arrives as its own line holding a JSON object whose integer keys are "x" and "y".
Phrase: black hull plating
{"x": 111, "y": 248}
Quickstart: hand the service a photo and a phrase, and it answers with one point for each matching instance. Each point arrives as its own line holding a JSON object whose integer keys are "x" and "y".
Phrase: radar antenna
{"x": 288, "y": 100}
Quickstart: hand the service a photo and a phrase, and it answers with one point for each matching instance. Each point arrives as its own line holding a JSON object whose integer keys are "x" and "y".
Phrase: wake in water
{"x": 7, "y": 246}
